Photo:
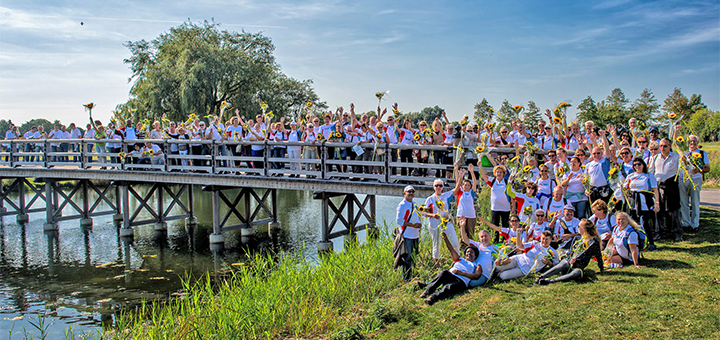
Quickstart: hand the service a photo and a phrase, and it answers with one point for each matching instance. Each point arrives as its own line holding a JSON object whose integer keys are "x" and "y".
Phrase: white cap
{"x": 408, "y": 188}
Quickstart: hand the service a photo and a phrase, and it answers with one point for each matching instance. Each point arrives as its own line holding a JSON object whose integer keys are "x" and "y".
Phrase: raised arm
{"x": 445, "y": 117}
{"x": 458, "y": 174}
{"x": 472, "y": 175}
{"x": 450, "y": 248}
{"x": 487, "y": 223}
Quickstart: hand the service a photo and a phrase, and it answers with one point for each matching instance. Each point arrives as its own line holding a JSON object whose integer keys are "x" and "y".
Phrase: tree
{"x": 588, "y": 110}
{"x": 46, "y": 124}
{"x": 483, "y": 112}
{"x": 645, "y": 107}
{"x": 506, "y": 114}
{"x": 196, "y": 68}
{"x": 531, "y": 114}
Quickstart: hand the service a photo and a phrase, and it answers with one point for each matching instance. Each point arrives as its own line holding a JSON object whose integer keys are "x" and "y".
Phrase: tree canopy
{"x": 198, "y": 68}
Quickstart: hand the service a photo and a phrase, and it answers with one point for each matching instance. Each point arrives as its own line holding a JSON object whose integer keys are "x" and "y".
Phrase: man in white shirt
{"x": 664, "y": 166}
{"x": 89, "y": 134}
{"x": 697, "y": 163}
{"x": 75, "y": 133}
{"x": 408, "y": 219}
{"x": 30, "y": 147}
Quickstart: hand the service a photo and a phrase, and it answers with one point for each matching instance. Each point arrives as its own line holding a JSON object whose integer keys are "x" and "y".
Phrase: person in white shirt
{"x": 532, "y": 257}
{"x": 665, "y": 166}
{"x": 545, "y": 185}
{"x": 75, "y": 133}
{"x": 536, "y": 228}
{"x": 626, "y": 232}
{"x": 457, "y": 279}
{"x": 488, "y": 251}
{"x": 437, "y": 208}
{"x": 310, "y": 152}
{"x": 294, "y": 136}
{"x": 89, "y": 134}
{"x": 515, "y": 230}
{"x": 465, "y": 192}
{"x": 30, "y": 147}
{"x": 565, "y": 227}
{"x": 154, "y": 152}
{"x": 574, "y": 189}
{"x": 499, "y": 200}
{"x": 407, "y": 218}
{"x": 698, "y": 163}
{"x": 604, "y": 221}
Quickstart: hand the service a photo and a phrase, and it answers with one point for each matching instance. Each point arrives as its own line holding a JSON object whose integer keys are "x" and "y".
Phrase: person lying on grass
{"x": 534, "y": 256}
{"x": 456, "y": 279}
{"x": 582, "y": 251}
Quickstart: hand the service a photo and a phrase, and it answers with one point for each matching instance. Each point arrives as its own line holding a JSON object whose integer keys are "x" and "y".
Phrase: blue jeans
{"x": 278, "y": 153}
{"x": 411, "y": 244}
{"x": 580, "y": 209}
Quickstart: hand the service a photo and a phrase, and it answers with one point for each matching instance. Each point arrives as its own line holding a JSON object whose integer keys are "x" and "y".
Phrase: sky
{"x": 425, "y": 53}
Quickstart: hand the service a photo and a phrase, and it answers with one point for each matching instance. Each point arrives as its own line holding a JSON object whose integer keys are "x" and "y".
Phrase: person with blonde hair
{"x": 582, "y": 251}
{"x": 625, "y": 241}
{"x": 499, "y": 200}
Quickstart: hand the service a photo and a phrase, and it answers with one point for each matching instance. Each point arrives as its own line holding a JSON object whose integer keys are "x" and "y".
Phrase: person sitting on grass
{"x": 584, "y": 249}
{"x": 533, "y": 257}
{"x": 487, "y": 252}
{"x": 456, "y": 279}
{"x": 625, "y": 241}
{"x": 508, "y": 234}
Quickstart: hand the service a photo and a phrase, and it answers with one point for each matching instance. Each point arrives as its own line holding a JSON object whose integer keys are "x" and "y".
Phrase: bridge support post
{"x": 118, "y": 216}
{"x": 86, "y": 220}
{"x": 331, "y": 214}
{"x": 161, "y": 224}
{"x": 22, "y": 216}
{"x": 216, "y": 236}
{"x": 50, "y": 224}
{"x": 126, "y": 231}
{"x": 2, "y": 201}
{"x": 191, "y": 222}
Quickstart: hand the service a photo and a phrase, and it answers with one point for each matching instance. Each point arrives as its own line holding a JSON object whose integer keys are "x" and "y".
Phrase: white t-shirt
{"x": 605, "y": 225}
{"x": 485, "y": 258}
{"x": 407, "y": 136}
{"x": 465, "y": 203}
{"x": 407, "y": 211}
{"x": 638, "y": 182}
{"x": 509, "y": 233}
{"x": 526, "y": 201}
{"x": 618, "y": 237}
{"x": 534, "y": 252}
{"x": 464, "y": 266}
{"x": 594, "y": 169}
{"x": 552, "y": 206}
{"x": 536, "y": 230}
{"x": 326, "y": 130}
{"x": 545, "y": 188}
{"x": 391, "y": 137}
{"x": 431, "y": 204}
{"x": 697, "y": 178}
{"x": 498, "y": 198}
{"x": 130, "y": 133}
{"x": 572, "y": 143}
{"x": 575, "y": 189}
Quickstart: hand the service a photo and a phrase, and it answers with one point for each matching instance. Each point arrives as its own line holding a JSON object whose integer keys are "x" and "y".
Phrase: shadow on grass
{"x": 621, "y": 272}
{"x": 704, "y": 250}
{"x": 665, "y": 264}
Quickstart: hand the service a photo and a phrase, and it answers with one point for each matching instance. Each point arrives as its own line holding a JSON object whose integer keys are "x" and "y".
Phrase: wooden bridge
{"x": 216, "y": 169}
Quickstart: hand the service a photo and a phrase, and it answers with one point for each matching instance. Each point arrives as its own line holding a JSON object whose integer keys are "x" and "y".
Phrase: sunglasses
{"x": 514, "y": 220}
{"x": 642, "y": 141}
{"x": 543, "y": 171}
{"x": 503, "y": 132}
{"x": 552, "y": 155}
{"x": 664, "y": 146}
{"x": 654, "y": 149}
{"x": 637, "y": 164}
{"x": 597, "y": 153}
{"x": 624, "y": 153}
{"x": 548, "y": 128}
{"x": 411, "y": 191}
{"x": 540, "y": 215}
{"x": 439, "y": 185}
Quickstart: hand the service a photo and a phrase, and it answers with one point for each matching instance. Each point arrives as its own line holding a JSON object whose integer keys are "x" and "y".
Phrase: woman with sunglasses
{"x": 643, "y": 197}
{"x": 437, "y": 207}
{"x": 544, "y": 184}
{"x": 538, "y": 226}
{"x": 583, "y": 250}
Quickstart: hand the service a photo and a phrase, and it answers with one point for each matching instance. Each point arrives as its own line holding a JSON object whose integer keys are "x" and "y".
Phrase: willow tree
{"x": 194, "y": 68}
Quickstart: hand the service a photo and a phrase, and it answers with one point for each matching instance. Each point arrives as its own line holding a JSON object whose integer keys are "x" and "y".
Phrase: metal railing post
{"x": 82, "y": 154}
{"x": 11, "y": 157}
{"x": 213, "y": 148}
{"x": 323, "y": 156}
{"x": 165, "y": 154}
{"x": 266, "y": 162}
{"x": 387, "y": 162}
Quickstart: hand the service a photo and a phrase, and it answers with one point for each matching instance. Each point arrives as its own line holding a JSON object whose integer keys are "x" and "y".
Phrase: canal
{"x": 78, "y": 278}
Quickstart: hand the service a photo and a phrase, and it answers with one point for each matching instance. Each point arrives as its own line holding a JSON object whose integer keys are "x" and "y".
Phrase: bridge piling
{"x": 2, "y": 201}
{"x": 50, "y": 224}
{"x": 216, "y": 236}
{"x": 86, "y": 220}
{"x": 126, "y": 231}
{"x": 22, "y": 216}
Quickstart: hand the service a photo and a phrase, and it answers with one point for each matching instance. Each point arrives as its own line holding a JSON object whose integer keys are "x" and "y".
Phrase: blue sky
{"x": 426, "y": 53}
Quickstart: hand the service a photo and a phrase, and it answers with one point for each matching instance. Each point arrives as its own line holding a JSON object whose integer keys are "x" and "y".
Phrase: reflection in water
{"x": 82, "y": 276}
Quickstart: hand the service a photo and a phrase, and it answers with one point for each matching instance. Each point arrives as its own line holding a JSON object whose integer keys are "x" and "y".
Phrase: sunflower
{"x": 527, "y": 168}
{"x": 615, "y": 200}
{"x": 672, "y": 115}
{"x": 417, "y": 136}
{"x": 421, "y": 208}
{"x": 527, "y": 210}
{"x": 463, "y": 122}
{"x": 269, "y": 115}
{"x": 379, "y": 135}
{"x": 264, "y": 106}
{"x": 320, "y": 137}
{"x": 308, "y": 104}
{"x": 697, "y": 155}
{"x": 557, "y": 120}
{"x": 338, "y": 135}
{"x": 396, "y": 111}
{"x": 491, "y": 126}
{"x": 585, "y": 179}
{"x": 491, "y": 110}
{"x": 480, "y": 149}
{"x": 517, "y": 107}
{"x": 441, "y": 205}
{"x": 561, "y": 171}
{"x": 612, "y": 171}
{"x": 680, "y": 139}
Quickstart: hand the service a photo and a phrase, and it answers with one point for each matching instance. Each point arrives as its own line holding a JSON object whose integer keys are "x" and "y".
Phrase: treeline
{"x": 616, "y": 109}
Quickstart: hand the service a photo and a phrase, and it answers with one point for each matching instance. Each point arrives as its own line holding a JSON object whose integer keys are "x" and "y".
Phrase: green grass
{"x": 356, "y": 294}
{"x": 712, "y": 178}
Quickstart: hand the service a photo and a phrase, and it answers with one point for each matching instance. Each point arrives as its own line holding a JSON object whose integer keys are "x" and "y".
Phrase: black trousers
{"x": 498, "y": 218}
{"x": 669, "y": 216}
{"x": 564, "y": 269}
{"x": 450, "y": 283}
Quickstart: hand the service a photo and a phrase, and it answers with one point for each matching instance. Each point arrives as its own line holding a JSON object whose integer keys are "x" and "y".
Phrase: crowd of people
{"x": 603, "y": 194}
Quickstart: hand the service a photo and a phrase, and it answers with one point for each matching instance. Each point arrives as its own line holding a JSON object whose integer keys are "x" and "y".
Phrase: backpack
{"x": 642, "y": 238}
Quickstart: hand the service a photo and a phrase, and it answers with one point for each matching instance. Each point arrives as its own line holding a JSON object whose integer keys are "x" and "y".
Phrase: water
{"x": 79, "y": 278}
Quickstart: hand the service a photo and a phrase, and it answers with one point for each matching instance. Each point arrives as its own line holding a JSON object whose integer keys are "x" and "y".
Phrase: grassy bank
{"x": 356, "y": 294}
{"x": 712, "y": 178}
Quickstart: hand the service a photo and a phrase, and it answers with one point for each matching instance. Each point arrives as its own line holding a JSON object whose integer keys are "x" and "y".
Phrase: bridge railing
{"x": 380, "y": 162}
